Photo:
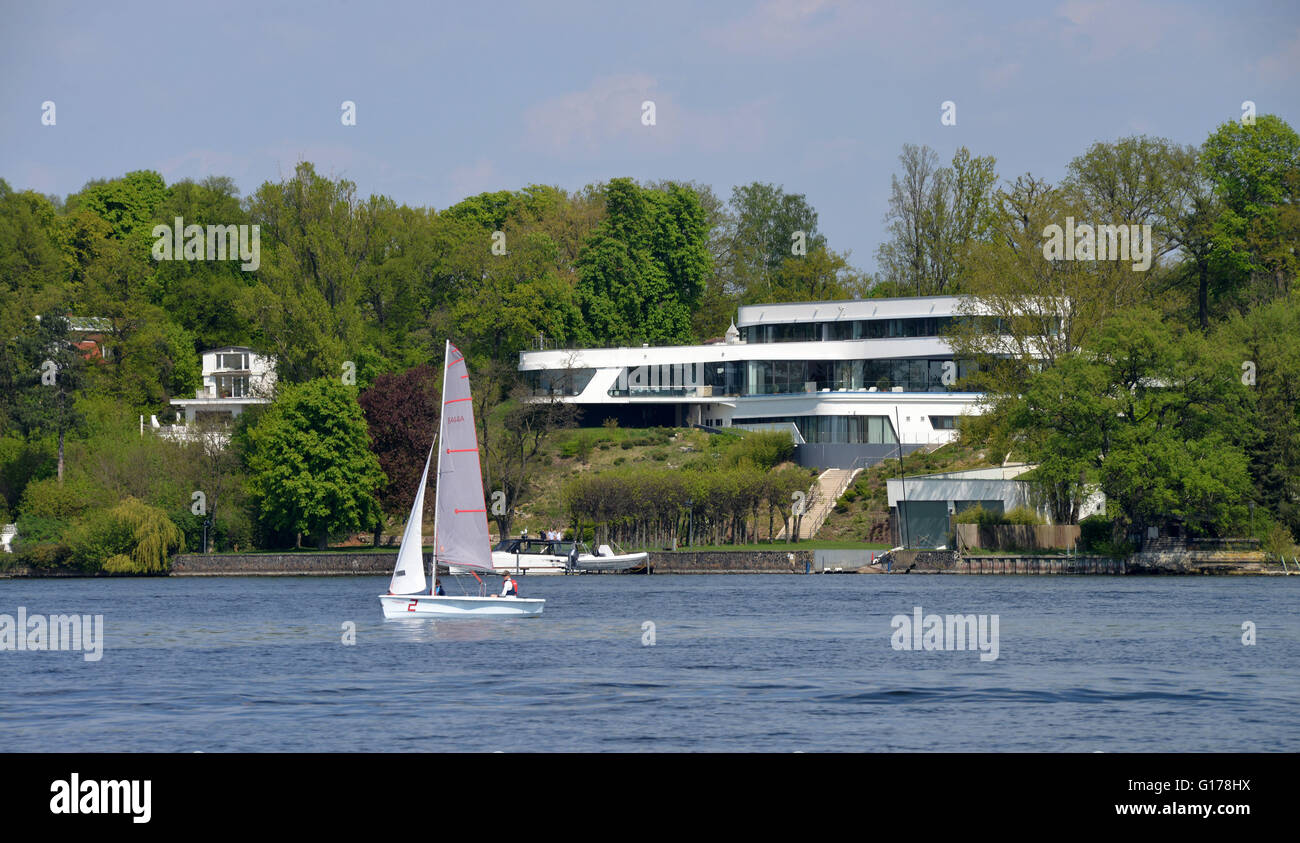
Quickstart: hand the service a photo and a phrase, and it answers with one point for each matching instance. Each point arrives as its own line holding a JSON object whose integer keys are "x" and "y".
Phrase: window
{"x": 818, "y": 430}
{"x": 232, "y": 386}
{"x": 559, "y": 381}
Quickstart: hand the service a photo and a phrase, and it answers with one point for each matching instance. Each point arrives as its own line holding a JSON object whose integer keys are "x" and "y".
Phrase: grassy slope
{"x": 573, "y": 452}
{"x": 861, "y": 515}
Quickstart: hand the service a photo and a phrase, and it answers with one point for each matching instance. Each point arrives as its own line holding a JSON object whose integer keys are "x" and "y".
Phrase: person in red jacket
{"x": 509, "y": 588}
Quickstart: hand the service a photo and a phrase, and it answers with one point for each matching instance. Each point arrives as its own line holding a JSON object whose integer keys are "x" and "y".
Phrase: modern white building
{"x": 234, "y": 379}
{"x": 922, "y": 505}
{"x": 853, "y": 378}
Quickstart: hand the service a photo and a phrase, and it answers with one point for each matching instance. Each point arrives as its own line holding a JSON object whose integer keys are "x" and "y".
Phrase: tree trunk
{"x": 1203, "y": 296}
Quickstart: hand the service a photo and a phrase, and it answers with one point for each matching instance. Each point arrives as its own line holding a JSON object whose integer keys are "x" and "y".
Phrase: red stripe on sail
{"x": 461, "y": 450}
{"x": 454, "y": 400}
{"x": 459, "y": 511}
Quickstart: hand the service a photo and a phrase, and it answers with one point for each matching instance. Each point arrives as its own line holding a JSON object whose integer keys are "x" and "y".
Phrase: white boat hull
{"x": 519, "y": 563}
{"x": 425, "y": 606}
{"x": 551, "y": 563}
{"x": 611, "y": 564}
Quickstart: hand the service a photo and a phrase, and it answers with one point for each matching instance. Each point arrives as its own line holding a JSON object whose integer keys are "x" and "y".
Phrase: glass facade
{"x": 877, "y": 329}
{"x": 682, "y": 379}
{"x": 778, "y": 377}
{"x": 232, "y": 386}
{"x": 822, "y": 430}
{"x": 783, "y": 377}
{"x": 790, "y": 332}
{"x": 861, "y": 329}
{"x": 558, "y": 381}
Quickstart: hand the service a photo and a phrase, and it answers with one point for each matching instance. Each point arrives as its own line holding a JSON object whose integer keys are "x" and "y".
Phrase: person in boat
{"x": 437, "y": 589}
{"x": 508, "y": 587}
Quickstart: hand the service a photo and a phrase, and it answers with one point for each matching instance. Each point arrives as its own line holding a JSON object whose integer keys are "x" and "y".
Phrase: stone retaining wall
{"x": 730, "y": 561}
{"x": 676, "y": 562}
{"x": 1212, "y": 562}
{"x": 284, "y": 564}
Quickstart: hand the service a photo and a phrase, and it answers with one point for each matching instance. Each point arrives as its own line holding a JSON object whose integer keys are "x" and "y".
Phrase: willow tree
{"x": 153, "y": 538}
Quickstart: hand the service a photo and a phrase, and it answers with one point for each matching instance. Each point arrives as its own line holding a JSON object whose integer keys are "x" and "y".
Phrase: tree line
{"x": 1169, "y": 380}
{"x": 1145, "y": 380}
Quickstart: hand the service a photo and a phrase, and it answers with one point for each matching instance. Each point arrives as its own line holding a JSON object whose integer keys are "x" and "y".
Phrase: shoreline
{"x": 728, "y": 562}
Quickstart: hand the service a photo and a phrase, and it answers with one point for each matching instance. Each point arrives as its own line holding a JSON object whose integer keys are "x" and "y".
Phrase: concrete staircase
{"x": 821, "y": 500}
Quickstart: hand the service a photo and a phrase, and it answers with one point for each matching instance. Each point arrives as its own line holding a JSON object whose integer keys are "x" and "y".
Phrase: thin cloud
{"x": 607, "y": 116}
{"x": 792, "y": 25}
{"x": 609, "y": 108}
{"x": 1000, "y": 76}
{"x": 1283, "y": 65}
{"x": 1106, "y": 29}
{"x": 472, "y": 179}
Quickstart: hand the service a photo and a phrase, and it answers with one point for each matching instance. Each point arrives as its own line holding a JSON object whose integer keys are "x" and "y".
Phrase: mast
{"x": 442, "y": 420}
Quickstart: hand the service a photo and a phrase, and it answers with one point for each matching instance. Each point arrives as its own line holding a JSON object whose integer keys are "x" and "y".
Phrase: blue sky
{"x": 453, "y": 99}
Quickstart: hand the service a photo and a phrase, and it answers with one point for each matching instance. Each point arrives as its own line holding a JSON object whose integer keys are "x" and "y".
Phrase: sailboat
{"x": 460, "y": 527}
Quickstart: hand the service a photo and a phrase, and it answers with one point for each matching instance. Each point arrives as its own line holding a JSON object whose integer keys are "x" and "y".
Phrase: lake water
{"x": 739, "y": 663}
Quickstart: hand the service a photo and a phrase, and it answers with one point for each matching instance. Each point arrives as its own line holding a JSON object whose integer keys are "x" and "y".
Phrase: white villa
{"x": 234, "y": 379}
{"x": 849, "y": 379}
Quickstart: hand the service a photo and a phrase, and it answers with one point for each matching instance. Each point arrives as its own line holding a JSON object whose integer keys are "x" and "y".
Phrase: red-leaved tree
{"x": 402, "y": 413}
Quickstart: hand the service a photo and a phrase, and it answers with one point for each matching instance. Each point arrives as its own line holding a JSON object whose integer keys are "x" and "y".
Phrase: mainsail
{"x": 408, "y": 576}
{"x": 460, "y": 533}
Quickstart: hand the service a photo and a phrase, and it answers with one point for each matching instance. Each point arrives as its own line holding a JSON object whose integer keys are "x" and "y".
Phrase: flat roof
{"x": 914, "y": 307}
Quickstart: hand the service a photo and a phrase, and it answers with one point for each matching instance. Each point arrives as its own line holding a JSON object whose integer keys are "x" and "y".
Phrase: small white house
{"x": 234, "y": 379}
{"x": 923, "y": 504}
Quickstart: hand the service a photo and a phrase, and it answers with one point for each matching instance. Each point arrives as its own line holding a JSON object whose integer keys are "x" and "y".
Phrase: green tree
{"x": 1147, "y": 411}
{"x": 1269, "y": 358}
{"x": 761, "y": 228}
{"x": 820, "y": 275}
{"x": 43, "y": 373}
{"x": 935, "y": 214}
{"x": 132, "y": 537}
{"x": 521, "y": 296}
{"x": 1022, "y": 310}
{"x": 151, "y": 361}
{"x": 312, "y": 470}
{"x": 1256, "y": 174}
{"x": 213, "y": 299}
{"x": 30, "y": 256}
{"x": 315, "y": 238}
{"x": 643, "y": 270}
{"x": 128, "y": 204}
